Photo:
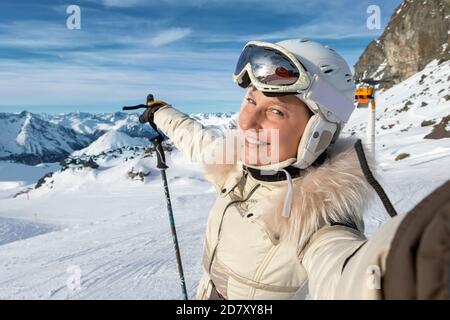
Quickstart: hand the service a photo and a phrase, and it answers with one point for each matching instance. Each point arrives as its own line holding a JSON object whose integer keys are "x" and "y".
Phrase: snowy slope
{"x": 115, "y": 229}
{"x": 406, "y": 114}
{"x": 16, "y": 177}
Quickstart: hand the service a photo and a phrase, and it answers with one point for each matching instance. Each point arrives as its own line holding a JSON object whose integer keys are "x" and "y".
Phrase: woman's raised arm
{"x": 342, "y": 264}
{"x": 197, "y": 142}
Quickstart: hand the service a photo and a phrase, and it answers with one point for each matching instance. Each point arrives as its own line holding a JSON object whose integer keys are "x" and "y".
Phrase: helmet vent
{"x": 348, "y": 77}
{"x": 327, "y": 69}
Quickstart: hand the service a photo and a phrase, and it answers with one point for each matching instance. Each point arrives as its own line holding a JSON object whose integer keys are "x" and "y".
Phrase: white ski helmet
{"x": 330, "y": 97}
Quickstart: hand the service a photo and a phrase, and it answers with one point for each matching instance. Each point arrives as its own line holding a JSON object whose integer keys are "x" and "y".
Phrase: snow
{"x": 34, "y": 138}
{"x": 21, "y": 137}
{"x": 87, "y": 123}
{"x": 111, "y": 140}
{"x": 14, "y": 230}
{"x": 15, "y": 177}
{"x": 114, "y": 230}
{"x": 407, "y": 181}
{"x": 27, "y": 133}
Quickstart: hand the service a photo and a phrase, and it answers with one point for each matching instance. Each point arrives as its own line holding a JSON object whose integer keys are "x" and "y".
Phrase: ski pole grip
{"x": 139, "y": 106}
{"x": 160, "y": 157}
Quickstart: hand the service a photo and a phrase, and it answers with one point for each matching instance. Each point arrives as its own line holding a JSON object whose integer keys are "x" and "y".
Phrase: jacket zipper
{"x": 221, "y": 221}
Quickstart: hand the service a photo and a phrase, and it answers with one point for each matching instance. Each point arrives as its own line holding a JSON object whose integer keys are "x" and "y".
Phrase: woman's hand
{"x": 152, "y": 107}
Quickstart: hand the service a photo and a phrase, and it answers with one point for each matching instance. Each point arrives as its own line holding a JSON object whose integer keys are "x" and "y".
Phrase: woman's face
{"x": 271, "y": 127}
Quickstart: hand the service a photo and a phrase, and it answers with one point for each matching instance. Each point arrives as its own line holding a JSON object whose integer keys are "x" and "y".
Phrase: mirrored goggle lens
{"x": 269, "y": 66}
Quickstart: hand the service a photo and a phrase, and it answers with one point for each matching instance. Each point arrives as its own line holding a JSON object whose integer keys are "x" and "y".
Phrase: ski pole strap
{"x": 154, "y": 127}
{"x": 372, "y": 181}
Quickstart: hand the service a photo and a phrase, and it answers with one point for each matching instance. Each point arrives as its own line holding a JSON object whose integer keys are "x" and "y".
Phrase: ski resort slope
{"x": 114, "y": 230}
{"x": 98, "y": 234}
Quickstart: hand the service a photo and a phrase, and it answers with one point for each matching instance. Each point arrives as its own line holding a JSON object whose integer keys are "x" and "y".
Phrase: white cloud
{"x": 169, "y": 35}
{"x": 121, "y": 3}
{"x": 322, "y": 30}
{"x": 317, "y": 31}
{"x": 89, "y": 79}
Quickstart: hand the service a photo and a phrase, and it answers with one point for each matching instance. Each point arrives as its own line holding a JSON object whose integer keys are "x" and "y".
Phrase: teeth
{"x": 255, "y": 141}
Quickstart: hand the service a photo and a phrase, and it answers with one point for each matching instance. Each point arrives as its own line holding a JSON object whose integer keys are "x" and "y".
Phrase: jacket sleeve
{"x": 342, "y": 264}
{"x": 198, "y": 143}
{"x": 211, "y": 147}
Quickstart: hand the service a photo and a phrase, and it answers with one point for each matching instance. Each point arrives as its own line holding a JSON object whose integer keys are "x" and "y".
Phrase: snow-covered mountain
{"x": 217, "y": 119}
{"x": 109, "y": 141}
{"x": 97, "y": 124}
{"x": 36, "y": 138}
{"x": 27, "y": 138}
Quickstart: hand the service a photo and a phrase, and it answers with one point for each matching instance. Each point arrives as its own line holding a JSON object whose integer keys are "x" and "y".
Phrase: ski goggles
{"x": 271, "y": 69}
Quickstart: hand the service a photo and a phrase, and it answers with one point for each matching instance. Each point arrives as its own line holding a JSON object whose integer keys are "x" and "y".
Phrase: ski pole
{"x": 161, "y": 165}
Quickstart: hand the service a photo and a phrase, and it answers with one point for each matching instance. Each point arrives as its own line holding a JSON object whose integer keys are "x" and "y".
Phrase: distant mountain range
{"x": 31, "y": 138}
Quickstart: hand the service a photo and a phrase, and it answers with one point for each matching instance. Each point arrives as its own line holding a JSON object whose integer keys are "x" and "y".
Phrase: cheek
{"x": 289, "y": 137}
{"x": 244, "y": 117}
{"x": 241, "y": 121}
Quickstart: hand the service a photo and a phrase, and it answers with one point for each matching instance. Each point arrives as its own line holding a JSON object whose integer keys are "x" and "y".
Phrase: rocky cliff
{"x": 417, "y": 33}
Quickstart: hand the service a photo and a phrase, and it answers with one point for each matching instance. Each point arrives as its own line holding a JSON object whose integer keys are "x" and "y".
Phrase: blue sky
{"x": 181, "y": 51}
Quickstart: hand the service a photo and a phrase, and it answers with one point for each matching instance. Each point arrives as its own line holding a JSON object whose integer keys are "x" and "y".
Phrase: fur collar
{"x": 336, "y": 191}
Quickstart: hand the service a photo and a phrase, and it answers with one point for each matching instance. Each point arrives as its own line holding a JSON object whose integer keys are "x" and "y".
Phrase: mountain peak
{"x": 24, "y": 113}
{"x": 112, "y": 139}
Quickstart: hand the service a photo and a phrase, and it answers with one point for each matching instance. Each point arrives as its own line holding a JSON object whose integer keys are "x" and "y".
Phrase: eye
{"x": 250, "y": 100}
{"x": 277, "y": 112}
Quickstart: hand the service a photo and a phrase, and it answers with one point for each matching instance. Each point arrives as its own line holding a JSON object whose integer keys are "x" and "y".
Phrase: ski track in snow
{"x": 127, "y": 256}
{"x": 14, "y": 229}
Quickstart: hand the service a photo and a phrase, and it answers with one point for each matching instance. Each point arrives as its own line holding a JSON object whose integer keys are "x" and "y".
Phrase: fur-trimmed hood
{"x": 334, "y": 192}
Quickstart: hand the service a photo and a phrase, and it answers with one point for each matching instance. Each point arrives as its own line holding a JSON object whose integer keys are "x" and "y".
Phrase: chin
{"x": 251, "y": 160}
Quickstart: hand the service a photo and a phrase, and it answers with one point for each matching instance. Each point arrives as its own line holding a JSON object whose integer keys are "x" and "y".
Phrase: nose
{"x": 251, "y": 118}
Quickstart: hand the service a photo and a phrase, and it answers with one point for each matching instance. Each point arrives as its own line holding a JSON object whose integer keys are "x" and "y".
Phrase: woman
{"x": 288, "y": 216}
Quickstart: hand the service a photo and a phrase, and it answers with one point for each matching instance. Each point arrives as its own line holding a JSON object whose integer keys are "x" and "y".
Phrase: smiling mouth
{"x": 255, "y": 142}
